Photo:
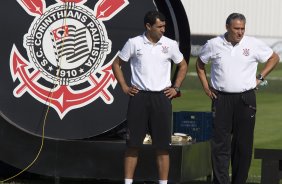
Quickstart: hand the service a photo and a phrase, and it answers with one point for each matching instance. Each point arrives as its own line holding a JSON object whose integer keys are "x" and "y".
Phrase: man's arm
{"x": 269, "y": 66}
{"x": 181, "y": 74}
{"x": 116, "y": 67}
{"x": 201, "y": 71}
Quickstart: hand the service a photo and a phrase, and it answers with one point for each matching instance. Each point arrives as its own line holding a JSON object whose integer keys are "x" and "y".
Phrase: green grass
{"x": 269, "y": 102}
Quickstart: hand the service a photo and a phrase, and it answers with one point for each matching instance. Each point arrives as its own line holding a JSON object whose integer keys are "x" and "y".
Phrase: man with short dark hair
{"x": 150, "y": 91}
{"x": 234, "y": 59}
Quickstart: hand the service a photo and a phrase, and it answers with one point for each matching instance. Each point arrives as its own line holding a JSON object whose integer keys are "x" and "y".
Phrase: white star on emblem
{"x": 81, "y": 70}
{"x": 50, "y": 68}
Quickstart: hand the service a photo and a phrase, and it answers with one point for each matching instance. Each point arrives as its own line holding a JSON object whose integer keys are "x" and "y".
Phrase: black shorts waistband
{"x": 153, "y": 92}
{"x": 235, "y": 93}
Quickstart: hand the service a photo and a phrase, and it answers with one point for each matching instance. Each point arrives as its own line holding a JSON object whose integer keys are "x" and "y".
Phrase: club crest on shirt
{"x": 165, "y": 49}
{"x": 246, "y": 52}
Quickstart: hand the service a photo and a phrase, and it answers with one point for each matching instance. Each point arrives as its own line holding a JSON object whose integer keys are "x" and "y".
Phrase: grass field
{"x": 269, "y": 105}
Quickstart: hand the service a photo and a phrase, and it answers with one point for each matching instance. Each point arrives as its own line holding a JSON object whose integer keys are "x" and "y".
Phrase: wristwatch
{"x": 178, "y": 93}
{"x": 260, "y": 77}
{"x": 176, "y": 89}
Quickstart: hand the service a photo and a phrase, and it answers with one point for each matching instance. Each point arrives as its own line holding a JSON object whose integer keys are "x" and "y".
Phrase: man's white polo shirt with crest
{"x": 233, "y": 68}
{"x": 151, "y": 63}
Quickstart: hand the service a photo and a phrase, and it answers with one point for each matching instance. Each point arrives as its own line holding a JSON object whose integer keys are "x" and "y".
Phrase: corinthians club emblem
{"x": 67, "y": 45}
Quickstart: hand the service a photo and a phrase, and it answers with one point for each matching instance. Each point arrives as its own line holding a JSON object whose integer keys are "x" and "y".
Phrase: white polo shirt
{"x": 233, "y": 69}
{"x": 151, "y": 63}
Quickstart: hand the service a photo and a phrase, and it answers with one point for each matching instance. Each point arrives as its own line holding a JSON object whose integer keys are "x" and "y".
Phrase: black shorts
{"x": 149, "y": 112}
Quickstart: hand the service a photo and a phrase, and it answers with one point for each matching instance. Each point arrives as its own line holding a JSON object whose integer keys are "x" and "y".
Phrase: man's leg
{"x": 130, "y": 162}
{"x": 242, "y": 141}
{"x": 163, "y": 164}
{"x": 221, "y": 140}
{"x": 137, "y": 118}
{"x": 160, "y": 125}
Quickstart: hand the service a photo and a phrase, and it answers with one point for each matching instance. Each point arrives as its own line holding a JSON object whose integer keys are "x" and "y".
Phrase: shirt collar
{"x": 225, "y": 42}
{"x": 146, "y": 41}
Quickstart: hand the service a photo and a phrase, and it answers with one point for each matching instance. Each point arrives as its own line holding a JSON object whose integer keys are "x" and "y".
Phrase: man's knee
{"x": 132, "y": 152}
{"x": 162, "y": 152}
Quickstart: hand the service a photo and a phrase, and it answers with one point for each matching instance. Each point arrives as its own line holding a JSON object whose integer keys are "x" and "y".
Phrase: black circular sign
{"x": 55, "y": 73}
{"x": 56, "y": 63}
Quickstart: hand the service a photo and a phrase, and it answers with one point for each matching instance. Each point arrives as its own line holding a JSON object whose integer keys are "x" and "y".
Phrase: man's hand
{"x": 131, "y": 91}
{"x": 170, "y": 92}
{"x": 210, "y": 92}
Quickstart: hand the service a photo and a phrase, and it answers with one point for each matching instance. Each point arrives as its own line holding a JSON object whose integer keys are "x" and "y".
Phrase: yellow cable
{"x": 44, "y": 121}
{"x": 42, "y": 143}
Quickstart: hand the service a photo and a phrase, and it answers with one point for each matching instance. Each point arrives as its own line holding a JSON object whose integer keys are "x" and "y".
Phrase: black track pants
{"x": 233, "y": 131}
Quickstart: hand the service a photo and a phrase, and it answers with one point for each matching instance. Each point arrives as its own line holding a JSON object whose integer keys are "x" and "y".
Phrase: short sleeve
{"x": 205, "y": 53}
{"x": 176, "y": 56}
{"x": 125, "y": 53}
{"x": 263, "y": 51}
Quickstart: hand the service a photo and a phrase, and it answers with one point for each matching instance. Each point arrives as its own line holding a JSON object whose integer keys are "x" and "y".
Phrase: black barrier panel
{"x": 99, "y": 159}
